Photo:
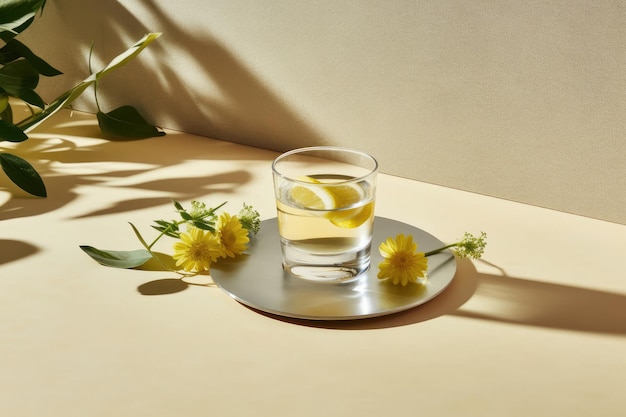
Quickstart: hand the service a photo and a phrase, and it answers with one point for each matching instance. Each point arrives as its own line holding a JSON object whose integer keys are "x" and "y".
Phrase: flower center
{"x": 401, "y": 260}
{"x": 228, "y": 238}
{"x": 199, "y": 251}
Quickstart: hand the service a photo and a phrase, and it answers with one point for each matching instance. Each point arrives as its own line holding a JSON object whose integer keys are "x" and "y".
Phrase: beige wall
{"x": 523, "y": 100}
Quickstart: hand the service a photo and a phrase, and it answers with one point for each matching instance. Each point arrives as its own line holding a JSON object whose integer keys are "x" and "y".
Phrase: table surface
{"x": 538, "y": 327}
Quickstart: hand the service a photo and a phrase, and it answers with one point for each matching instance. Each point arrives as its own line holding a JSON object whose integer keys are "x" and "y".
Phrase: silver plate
{"x": 257, "y": 280}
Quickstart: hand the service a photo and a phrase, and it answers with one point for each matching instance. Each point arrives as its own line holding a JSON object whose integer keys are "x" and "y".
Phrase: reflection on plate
{"x": 258, "y": 280}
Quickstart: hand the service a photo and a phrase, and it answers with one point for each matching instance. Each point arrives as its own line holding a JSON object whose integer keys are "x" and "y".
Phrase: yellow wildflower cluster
{"x": 197, "y": 249}
{"x": 207, "y": 237}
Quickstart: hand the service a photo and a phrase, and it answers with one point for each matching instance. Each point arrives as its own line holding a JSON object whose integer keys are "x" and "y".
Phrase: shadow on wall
{"x": 155, "y": 84}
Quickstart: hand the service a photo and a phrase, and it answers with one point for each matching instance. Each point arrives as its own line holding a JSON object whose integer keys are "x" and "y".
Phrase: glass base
{"x": 332, "y": 269}
{"x": 325, "y": 274}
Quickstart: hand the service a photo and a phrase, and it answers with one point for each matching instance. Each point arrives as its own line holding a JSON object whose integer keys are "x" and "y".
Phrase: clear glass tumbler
{"x": 325, "y": 202}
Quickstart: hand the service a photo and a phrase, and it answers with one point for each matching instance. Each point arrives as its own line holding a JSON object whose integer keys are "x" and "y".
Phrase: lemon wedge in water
{"x": 321, "y": 196}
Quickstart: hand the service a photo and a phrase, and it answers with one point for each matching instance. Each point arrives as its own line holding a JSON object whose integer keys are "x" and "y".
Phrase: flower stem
{"x": 168, "y": 229}
{"x": 441, "y": 249}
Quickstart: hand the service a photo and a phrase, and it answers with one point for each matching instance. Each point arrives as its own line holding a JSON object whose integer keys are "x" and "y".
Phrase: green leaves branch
{"x": 199, "y": 215}
{"x": 20, "y": 70}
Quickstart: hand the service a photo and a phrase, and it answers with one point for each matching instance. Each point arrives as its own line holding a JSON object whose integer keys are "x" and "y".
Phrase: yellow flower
{"x": 196, "y": 249}
{"x": 402, "y": 264}
{"x": 231, "y": 235}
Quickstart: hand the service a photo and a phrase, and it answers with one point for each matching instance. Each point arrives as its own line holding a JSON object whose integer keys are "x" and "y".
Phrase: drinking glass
{"x": 325, "y": 203}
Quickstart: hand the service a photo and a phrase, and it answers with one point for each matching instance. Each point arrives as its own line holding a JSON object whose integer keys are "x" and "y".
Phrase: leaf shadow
{"x": 13, "y": 250}
{"x": 262, "y": 117}
{"x": 233, "y": 94}
{"x": 67, "y": 166}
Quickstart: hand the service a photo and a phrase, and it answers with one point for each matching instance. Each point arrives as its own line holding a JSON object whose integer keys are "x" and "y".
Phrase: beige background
{"x": 518, "y": 100}
{"x": 536, "y": 328}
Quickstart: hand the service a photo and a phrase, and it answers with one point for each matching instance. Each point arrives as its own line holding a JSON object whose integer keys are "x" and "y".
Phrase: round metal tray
{"x": 257, "y": 279}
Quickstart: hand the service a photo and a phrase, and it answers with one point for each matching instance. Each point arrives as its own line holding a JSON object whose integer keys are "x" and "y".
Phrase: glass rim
{"x": 295, "y": 151}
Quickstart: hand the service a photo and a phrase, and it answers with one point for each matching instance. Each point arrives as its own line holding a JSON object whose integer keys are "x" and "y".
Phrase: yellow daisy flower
{"x": 196, "y": 249}
{"x": 402, "y": 264}
{"x": 231, "y": 235}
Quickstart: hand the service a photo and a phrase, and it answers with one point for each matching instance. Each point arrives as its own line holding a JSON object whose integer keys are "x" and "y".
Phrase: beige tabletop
{"x": 536, "y": 328}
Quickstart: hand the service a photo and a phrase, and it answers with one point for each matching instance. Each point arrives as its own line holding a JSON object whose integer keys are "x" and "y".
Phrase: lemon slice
{"x": 349, "y": 219}
{"x": 328, "y": 196}
{"x": 345, "y": 196}
{"x": 314, "y": 197}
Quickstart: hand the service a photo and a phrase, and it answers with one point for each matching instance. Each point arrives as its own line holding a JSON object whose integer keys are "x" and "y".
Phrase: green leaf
{"x": 4, "y": 104}
{"x": 11, "y": 133}
{"x": 126, "y": 122}
{"x": 167, "y": 228}
{"x": 18, "y": 77}
{"x": 139, "y": 237}
{"x": 166, "y": 231}
{"x": 203, "y": 225}
{"x": 149, "y": 250}
{"x": 31, "y": 97}
{"x": 11, "y": 11}
{"x": 17, "y": 15}
{"x": 14, "y": 49}
{"x": 118, "y": 259}
{"x": 22, "y": 174}
{"x": 177, "y": 205}
{"x": 70, "y": 95}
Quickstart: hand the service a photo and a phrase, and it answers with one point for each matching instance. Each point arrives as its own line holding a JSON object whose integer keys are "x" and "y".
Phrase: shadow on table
{"x": 505, "y": 299}
{"x": 127, "y": 167}
{"x": 165, "y": 286}
{"x": 13, "y": 250}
